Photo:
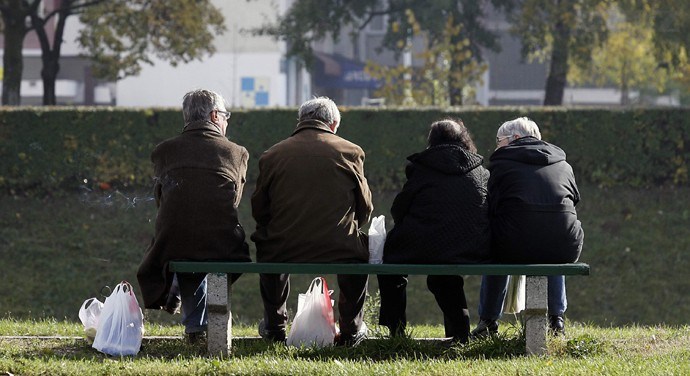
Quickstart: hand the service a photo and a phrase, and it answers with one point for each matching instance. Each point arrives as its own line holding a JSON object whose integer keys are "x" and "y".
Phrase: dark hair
{"x": 451, "y": 131}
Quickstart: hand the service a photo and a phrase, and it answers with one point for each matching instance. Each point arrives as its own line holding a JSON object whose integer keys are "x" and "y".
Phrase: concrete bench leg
{"x": 535, "y": 314}
{"x": 219, "y": 333}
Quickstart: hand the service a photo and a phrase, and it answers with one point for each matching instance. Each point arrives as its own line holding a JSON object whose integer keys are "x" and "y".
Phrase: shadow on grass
{"x": 372, "y": 349}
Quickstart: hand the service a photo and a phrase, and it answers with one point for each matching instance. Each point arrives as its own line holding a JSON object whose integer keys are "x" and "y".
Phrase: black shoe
{"x": 397, "y": 330}
{"x": 351, "y": 340}
{"x": 195, "y": 337}
{"x": 454, "y": 341}
{"x": 556, "y": 325}
{"x": 277, "y": 335}
{"x": 173, "y": 304}
{"x": 459, "y": 339}
{"x": 484, "y": 329}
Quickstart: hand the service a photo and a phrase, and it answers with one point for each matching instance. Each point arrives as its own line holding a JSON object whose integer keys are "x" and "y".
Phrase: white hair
{"x": 521, "y": 127}
{"x": 320, "y": 108}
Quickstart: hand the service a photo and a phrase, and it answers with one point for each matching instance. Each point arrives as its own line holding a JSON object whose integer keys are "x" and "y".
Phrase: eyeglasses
{"x": 499, "y": 139}
{"x": 224, "y": 113}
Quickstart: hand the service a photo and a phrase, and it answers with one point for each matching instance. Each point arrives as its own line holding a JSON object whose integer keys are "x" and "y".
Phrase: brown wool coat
{"x": 311, "y": 199}
{"x": 199, "y": 177}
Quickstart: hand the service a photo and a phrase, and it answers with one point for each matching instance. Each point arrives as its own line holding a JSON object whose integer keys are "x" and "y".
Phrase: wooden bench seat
{"x": 219, "y": 290}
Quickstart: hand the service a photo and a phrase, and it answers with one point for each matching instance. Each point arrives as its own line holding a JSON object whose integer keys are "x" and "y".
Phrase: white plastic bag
{"x": 89, "y": 314}
{"x": 121, "y": 325}
{"x": 377, "y": 237}
{"x": 515, "y": 297}
{"x": 314, "y": 324}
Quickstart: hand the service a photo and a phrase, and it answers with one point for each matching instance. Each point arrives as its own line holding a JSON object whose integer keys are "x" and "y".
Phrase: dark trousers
{"x": 275, "y": 289}
{"x": 450, "y": 297}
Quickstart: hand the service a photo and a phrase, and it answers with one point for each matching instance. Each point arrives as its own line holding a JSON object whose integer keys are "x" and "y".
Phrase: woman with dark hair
{"x": 440, "y": 218}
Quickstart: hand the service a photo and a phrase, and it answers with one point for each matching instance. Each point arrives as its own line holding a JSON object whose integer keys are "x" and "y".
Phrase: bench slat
{"x": 455, "y": 269}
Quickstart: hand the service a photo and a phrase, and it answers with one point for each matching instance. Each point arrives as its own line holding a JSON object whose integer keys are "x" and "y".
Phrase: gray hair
{"x": 198, "y": 105}
{"x": 321, "y": 108}
{"x": 522, "y": 127}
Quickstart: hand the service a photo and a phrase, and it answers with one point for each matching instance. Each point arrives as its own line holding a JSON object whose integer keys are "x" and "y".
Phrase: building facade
{"x": 253, "y": 71}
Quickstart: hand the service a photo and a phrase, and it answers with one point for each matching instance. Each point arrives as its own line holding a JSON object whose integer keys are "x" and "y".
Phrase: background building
{"x": 252, "y": 71}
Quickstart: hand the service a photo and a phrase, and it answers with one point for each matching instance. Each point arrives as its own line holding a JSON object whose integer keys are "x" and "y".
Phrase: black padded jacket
{"x": 532, "y": 198}
{"x": 441, "y": 213}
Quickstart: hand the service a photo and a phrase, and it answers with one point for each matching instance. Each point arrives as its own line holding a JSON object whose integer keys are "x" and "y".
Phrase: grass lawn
{"x": 60, "y": 250}
{"x": 586, "y": 350}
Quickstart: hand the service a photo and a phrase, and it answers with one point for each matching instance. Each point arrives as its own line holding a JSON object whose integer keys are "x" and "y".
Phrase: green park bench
{"x": 219, "y": 290}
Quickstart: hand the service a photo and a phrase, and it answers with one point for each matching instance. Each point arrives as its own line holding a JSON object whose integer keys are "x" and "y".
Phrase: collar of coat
{"x": 204, "y": 125}
{"x": 312, "y": 124}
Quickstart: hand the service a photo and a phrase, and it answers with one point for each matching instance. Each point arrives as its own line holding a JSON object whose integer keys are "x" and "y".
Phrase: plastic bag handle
{"x": 107, "y": 294}
{"x": 315, "y": 284}
{"x": 125, "y": 287}
{"x": 87, "y": 303}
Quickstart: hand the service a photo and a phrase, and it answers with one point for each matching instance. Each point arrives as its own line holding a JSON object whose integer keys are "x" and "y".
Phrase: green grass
{"x": 60, "y": 250}
{"x": 586, "y": 350}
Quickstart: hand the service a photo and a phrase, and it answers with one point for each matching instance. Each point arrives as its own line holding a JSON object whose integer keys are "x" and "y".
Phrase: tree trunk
{"x": 50, "y": 57}
{"x": 51, "y": 67}
{"x": 15, "y": 31}
{"x": 454, "y": 87}
{"x": 625, "y": 90}
{"x": 454, "y": 84}
{"x": 558, "y": 69}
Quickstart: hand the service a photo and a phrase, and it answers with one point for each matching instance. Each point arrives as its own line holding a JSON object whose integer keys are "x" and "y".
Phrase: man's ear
{"x": 214, "y": 116}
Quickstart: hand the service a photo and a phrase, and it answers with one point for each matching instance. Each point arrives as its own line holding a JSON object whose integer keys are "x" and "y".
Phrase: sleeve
{"x": 157, "y": 192}
{"x": 261, "y": 204}
{"x": 403, "y": 201}
{"x": 363, "y": 201}
{"x": 157, "y": 185}
{"x": 493, "y": 194}
{"x": 242, "y": 176}
{"x": 574, "y": 189}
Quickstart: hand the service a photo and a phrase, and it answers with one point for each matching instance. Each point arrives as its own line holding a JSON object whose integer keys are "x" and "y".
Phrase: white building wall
{"x": 164, "y": 85}
{"x": 239, "y": 55}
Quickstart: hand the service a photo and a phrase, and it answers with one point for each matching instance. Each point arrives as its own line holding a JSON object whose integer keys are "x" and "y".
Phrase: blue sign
{"x": 337, "y": 71}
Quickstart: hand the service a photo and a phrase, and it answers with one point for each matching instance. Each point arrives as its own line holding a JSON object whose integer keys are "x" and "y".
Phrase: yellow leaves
{"x": 410, "y": 16}
{"x": 626, "y": 59}
{"x": 449, "y": 66}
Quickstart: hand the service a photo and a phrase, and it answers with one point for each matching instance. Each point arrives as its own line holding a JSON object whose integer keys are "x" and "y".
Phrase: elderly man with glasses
{"x": 199, "y": 177}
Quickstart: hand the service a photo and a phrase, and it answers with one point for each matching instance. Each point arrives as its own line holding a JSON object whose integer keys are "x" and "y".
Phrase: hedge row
{"x": 62, "y": 149}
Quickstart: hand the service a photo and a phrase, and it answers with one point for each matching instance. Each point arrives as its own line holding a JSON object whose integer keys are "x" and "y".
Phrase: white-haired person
{"x": 532, "y": 198}
{"x": 310, "y": 204}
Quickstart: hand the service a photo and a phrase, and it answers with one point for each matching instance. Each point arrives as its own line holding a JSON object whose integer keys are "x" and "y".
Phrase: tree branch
{"x": 72, "y": 8}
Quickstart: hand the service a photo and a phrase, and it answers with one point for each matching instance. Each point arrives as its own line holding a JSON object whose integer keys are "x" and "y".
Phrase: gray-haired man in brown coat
{"x": 310, "y": 204}
{"x": 199, "y": 177}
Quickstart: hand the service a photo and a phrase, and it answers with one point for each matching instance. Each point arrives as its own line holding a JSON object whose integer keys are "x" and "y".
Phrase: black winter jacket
{"x": 532, "y": 198}
{"x": 441, "y": 214}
